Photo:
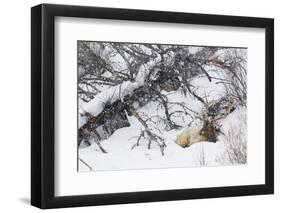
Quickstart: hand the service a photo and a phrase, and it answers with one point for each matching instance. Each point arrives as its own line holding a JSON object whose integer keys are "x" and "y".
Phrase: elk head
{"x": 211, "y": 127}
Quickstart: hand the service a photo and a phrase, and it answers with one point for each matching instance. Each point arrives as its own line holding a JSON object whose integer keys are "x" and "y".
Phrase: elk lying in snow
{"x": 210, "y": 129}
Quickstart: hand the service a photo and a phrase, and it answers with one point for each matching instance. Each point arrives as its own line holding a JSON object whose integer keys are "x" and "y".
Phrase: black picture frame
{"x": 43, "y": 102}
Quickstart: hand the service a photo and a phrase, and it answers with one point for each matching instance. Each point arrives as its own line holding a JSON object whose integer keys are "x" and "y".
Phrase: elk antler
{"x": 211, "y": 128}
{"x": 232, "y": 103}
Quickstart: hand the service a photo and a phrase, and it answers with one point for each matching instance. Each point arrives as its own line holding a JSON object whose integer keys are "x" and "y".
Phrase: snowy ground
{"x": 121, "y": 156}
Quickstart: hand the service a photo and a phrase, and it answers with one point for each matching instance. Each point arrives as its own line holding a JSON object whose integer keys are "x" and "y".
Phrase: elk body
{"x": 190, "y": 136}
{"x": 197, "y": 134}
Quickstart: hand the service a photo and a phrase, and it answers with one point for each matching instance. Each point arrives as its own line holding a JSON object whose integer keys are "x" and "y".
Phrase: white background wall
{"x": 15, "y": 105}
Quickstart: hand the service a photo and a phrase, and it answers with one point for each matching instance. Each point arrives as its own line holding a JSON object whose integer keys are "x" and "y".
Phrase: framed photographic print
{"x": 139, "y": 106}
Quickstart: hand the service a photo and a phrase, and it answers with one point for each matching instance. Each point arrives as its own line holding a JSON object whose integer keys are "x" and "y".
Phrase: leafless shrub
{"x": 234, "y": 69}
{"x": 235, "y": 142}
{"x": 155, "y": 70}
{"x": 148, "y": 135}
{"x": 87, "y": 165}
{"x": 200, "y": 156}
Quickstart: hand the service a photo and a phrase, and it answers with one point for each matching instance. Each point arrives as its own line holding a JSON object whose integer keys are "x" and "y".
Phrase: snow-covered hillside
{"x": 121, "y": 156}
